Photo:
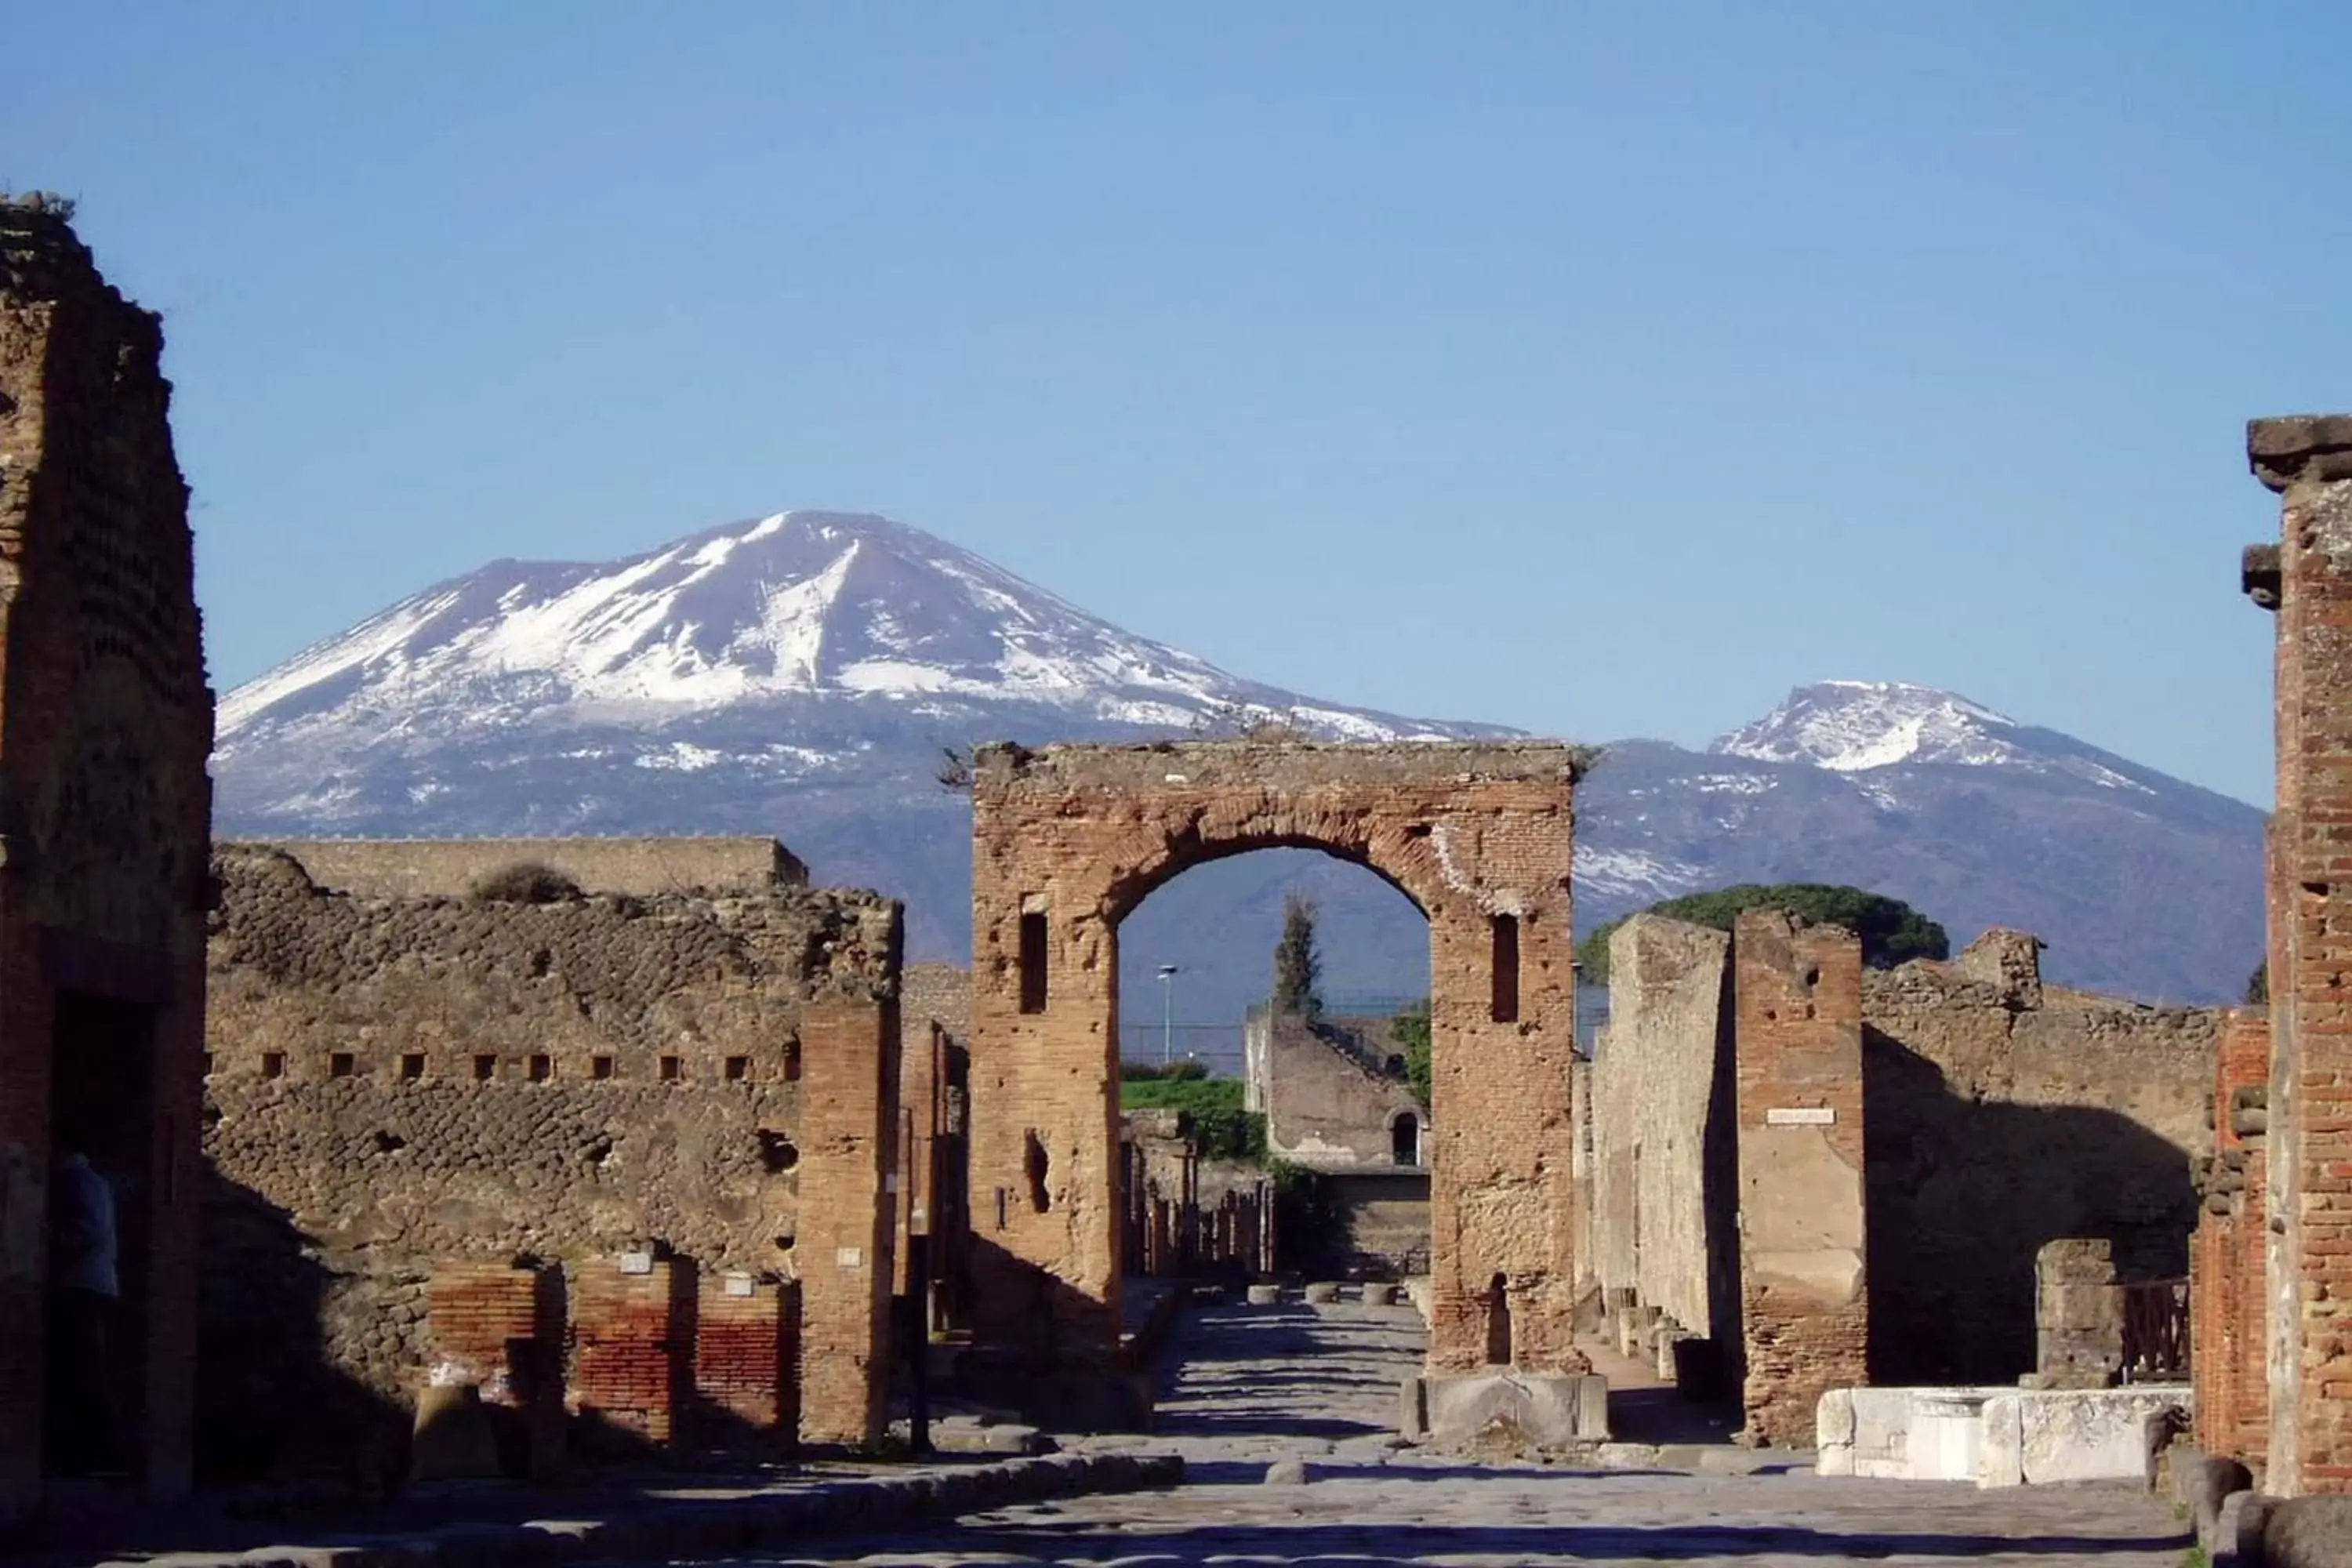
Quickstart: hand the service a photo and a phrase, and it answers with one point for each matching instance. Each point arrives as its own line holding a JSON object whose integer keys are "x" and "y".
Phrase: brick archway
{"x": 1067, "y": 841}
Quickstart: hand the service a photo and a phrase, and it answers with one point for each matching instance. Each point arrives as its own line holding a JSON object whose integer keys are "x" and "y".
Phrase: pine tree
{"x": 1297, "y": 968}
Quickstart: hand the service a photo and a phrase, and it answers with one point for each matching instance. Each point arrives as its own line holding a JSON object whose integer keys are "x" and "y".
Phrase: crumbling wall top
{"x": 1003, "y": 768}
{"x": 2294, "y": 447}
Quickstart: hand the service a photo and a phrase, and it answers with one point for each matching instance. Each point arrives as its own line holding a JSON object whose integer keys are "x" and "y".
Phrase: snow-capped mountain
{"x": 796, "y": 605}
{"x": 799, "y": 676}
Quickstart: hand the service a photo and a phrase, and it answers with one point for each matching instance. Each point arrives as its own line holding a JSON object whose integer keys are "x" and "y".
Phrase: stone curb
{"x": 715, "y": 1529}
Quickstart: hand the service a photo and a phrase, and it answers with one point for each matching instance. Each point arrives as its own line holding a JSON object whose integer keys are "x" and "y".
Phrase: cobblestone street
{"x": 1258, "y": 1387}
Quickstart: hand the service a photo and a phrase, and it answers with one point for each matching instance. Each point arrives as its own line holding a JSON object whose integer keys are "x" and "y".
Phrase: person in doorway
{"x": 85, "y": 1286}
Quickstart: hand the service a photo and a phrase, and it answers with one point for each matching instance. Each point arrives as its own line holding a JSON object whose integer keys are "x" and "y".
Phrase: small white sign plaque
{"x": 739, "y": 1285}
{"x": 637, "y": 1263}
{"x": 850, "y": 1257}
{"x": 1799, "y": 1116}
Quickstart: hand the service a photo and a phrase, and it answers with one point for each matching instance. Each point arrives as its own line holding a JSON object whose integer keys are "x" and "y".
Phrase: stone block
{"x": 1379, "y": 1295}
{"x": 1322, "y": 1293}
{"x": 1945, "y": 1435}
{"x": 2000, "y": 1448}
{"x": 1266, "y": 1295}
{"x": 1519, "y": 1411}
{"x": 2308, "y": 1533}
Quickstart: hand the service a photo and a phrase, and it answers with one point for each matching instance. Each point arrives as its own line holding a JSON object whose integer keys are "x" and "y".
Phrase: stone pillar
{"x": 500, "y": 1327}
{"x": 2226, "y": 1259}
{"x": 2308, "y": 460}
{"x": 1804, "y": 1303}
{"x": 849, "y": 1096}
{"x": 2078, "y": 1314}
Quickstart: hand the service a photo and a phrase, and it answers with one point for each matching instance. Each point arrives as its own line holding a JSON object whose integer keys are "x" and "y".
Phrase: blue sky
{"x": 1605, "y": 371}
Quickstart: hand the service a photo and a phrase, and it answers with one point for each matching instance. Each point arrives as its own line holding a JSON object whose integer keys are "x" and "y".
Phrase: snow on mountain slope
{"x": 796, "y": 605}
{"x": 1857, "y": 726}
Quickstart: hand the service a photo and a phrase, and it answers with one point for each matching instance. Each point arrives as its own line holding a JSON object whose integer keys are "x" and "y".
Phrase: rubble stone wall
{"x": 395, "y": 1083}
{"x": 2005, "y": 1115}
{"x": 448, "y": 867}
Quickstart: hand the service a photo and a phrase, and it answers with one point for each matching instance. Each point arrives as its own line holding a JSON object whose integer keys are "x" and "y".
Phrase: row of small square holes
{"x": 341, "y": 1064}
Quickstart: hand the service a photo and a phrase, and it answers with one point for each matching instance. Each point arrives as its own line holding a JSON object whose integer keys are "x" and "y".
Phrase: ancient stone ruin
{"x": 1809, "y": 1175}
{"x": 105, "y": 722}
{"x": 1068, "y": 840}
{"x": 644, "y": 1093}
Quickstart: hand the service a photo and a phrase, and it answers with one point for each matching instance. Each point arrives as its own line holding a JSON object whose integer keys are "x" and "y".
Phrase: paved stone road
{"x": 1257, "y": 1386}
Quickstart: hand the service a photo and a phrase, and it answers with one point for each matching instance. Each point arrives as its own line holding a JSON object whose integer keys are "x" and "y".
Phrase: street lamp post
{"x": 1167, "y": 1013}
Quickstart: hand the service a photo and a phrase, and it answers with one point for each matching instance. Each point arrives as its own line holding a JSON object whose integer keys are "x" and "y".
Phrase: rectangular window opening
{"x": 412, "y": 1067}
{"x": 600, "y": 1068}
{"x": 484, "y": 1069}
{"x": 541, "y": 1069}
{"x": 273, "y": 1064}
{"x": 208, "y": 1064}
{"x": 1033, "y": 961}
{"x": 738, "y": 1069}
{"x": 1506, "y": 968}
{"x": 338, "y": 1064}
{"x": 671, "y": 1069}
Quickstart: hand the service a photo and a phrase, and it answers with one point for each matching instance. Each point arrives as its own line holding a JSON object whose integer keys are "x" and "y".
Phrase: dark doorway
{"x": 102, "y": 1142}
{"x": 1404, "y": 1140}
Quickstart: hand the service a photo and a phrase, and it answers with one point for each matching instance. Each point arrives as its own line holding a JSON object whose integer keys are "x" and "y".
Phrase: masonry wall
{"x": 396, "y": 1084}
{"x": 1660, "y": 1207}
{"x": 448, "y": 867}
{"x": 1804, "y": 1290}
{"x": 1068, "y": 840}
{"x": 1328, "y": 1098}
{"x": 2005, "y": 1115}
{"x": 2227, "y": 1258}
{"x": 105, "y": 723}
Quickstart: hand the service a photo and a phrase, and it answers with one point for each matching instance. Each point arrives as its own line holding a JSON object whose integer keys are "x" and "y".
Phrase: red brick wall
{"x": 501, "y": 1327}
{"x": 1804, "y": 1304}
{"x": 2227, "y": 1261}
{"x": 745, "y": 1359}
{"x": 634, "y": 1337}
{"x": 1079, "y": 836}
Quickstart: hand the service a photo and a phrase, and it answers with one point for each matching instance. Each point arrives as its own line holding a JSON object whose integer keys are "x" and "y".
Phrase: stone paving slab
{"x": 1461, "y": 1518}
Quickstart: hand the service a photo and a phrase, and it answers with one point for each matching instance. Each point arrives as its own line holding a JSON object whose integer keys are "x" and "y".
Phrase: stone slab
{"x": 1518, "y": 1411}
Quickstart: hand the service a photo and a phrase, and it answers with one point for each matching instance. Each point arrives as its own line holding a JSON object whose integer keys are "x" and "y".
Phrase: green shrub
{"x": 1892, "y": 931}
{"x": 1222, "y": 1130}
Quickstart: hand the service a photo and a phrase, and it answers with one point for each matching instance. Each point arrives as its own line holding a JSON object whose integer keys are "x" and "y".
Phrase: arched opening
{"x": 1404, "y": 1139}
{"x": 1322, "y": 1082}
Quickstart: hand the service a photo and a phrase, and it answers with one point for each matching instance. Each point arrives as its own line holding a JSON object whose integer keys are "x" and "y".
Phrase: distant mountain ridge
{"x": 798, "y": 675}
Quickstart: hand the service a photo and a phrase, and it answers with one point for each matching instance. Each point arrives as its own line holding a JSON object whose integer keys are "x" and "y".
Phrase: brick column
{"x": 501, "y": 1327}
{"x": 634, "y": 1330}
{"x": 2227, "y": 1254}
{"x": 1804, "y": 1301}
{"x": 849, "y": 1097}
{"x": 2308, "y": 460}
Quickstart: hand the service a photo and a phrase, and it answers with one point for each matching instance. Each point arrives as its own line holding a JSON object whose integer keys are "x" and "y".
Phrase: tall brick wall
{"x": 2308, "y": 460}
{"x": 2228, "y": 1256}
{"x": 1067, "y": 841}
{"x": 448, "y": 867}
{"x": 2005, "y": 1115}
{"x": 401, "y": 1084}
{"x": 1804, "y": 1300}
{"x": 105, "y": 723}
